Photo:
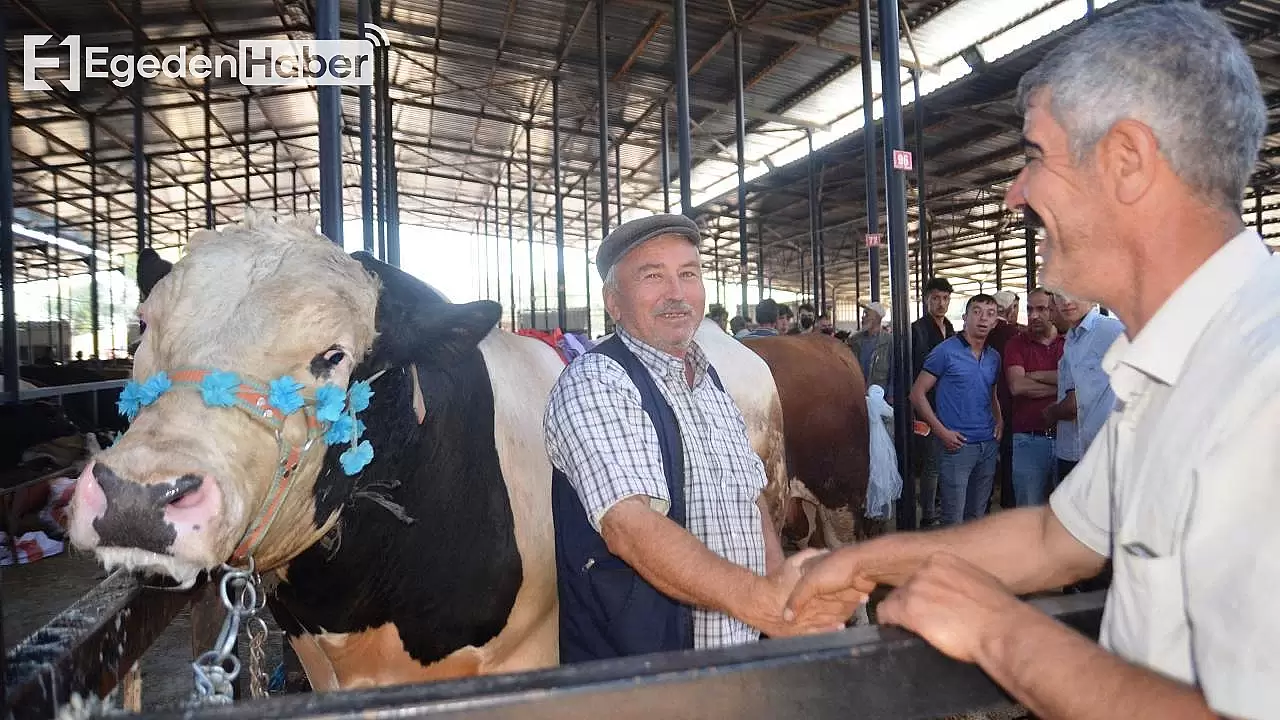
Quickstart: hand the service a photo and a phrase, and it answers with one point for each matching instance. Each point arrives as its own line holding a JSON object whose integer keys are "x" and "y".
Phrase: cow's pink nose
{"x": 147, "y": 516}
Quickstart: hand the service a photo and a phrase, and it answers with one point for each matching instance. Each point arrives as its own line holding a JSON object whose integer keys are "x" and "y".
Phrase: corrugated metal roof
{"x": 467, "y": 78}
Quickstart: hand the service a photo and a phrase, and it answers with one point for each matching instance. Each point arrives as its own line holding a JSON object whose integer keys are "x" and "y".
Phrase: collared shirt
{"x": 1027, "y": 352}
{"x": 597, "y": 432}
{"x": 1181, "y": 486}
{"x": 964, "y": 387}
{"x": 759, "y": 332}
{"x": 1081, "y": 370}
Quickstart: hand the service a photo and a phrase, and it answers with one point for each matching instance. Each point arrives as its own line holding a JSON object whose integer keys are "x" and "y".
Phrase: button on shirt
{"x": 597, "y": 432}
{"x": 1181, "y": 486}
{"x": 1081, "y": 370}
{"x": 963, "y": 391}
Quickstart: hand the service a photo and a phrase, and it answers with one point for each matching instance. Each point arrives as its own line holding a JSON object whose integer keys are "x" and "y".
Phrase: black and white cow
{"x": 434, "y": 558}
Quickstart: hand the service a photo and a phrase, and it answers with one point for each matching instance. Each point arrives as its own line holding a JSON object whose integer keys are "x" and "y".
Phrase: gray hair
{"x": 611, "y": 278}
{"x": 1176, "y": 68}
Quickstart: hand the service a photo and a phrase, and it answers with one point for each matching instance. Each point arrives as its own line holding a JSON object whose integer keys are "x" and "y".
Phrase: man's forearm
{"x": 1048, "y": 377}
{"x": 1029, "y": 388}
{"x": 1019, "y": 547}
{"x": 1058, "y": 675}
{"x": 925, "y": 412}
{"x": 674, "y": 561}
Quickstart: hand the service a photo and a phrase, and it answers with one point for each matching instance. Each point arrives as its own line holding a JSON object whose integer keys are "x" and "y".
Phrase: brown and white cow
{"x": 436, "y": 559}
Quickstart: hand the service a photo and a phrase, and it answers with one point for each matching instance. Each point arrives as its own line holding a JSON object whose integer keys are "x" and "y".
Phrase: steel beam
{"x": 814, "y": 211}
{"x": 328, "y": 14}
{"x": 869, "y": 148}
{"x": 559, "y": 201}
{"x": 511, "y": 252}
{"x": 391, "y": 170}
{"x": 208, "y": 149}
{"x": 364, "y": 16}
{"x": 740, "y": 135}
{"x": 528, "y": 202}
{"x": 898, "y": 280}
{"x": 666, "y": 161}
{"x": 685, "y": 145}
{"x": 1031, "y": 258}
{"x": 139, "y": 137}
{"x": 10, "y": 313}
{"x": 602, "y": 103}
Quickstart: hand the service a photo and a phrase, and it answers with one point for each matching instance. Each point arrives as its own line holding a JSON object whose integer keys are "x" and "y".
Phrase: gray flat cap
{"x": 630, "y": 234}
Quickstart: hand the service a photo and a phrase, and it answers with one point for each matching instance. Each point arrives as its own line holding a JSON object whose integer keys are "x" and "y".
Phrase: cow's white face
{"x": 177, "y": 492}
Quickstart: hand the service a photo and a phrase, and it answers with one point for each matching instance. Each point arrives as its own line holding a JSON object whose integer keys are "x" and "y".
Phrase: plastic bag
{"x": 885, "y": 484}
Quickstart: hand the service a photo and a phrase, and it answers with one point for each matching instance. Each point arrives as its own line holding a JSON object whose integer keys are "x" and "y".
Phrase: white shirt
{"x": 1187, "y": 473}
{"x": 598, "y": 433}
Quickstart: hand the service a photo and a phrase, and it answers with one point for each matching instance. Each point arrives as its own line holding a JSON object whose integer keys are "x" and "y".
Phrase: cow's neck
{"x": 426, "y": 538}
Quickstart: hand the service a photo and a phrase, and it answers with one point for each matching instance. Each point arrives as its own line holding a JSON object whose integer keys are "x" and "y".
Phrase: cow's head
{"x": 266, "y": 305}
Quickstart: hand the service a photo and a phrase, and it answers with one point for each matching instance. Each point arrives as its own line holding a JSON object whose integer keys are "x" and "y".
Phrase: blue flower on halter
{"x": 359, "y": 396}
{"x": 284, "y": 395}
{"x": 136, "y": 395}
{"x": 340, "y": 430}
{"x": 356, "y": 457}
{"x": 218, "y": 388}
{"x": 330, "y": 400}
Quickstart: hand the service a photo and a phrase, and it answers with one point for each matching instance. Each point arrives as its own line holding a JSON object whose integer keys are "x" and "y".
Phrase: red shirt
{"x": 1027, "y": 352}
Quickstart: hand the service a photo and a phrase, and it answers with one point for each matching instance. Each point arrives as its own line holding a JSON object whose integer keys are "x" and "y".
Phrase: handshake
{"x": 782, "y": 605}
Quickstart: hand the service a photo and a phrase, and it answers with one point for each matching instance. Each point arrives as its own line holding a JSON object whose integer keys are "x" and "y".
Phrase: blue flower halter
{"x": 330, "y": 414}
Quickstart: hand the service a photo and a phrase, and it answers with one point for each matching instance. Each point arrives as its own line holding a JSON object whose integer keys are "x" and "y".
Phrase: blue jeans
{"x": 1034, "y": 468}
{"x": 964, "y": 481}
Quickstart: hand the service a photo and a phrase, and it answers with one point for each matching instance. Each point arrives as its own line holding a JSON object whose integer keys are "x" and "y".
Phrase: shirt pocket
{"x": 1149, "y": 627}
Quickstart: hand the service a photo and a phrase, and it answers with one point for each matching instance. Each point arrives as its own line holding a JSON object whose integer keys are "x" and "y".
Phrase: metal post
{"x": 740, "y": 133}
{"x": 363, "y": 16}
{"x": 542, "y": 241}
{"x": 248, "y": 193}
{"x": 814, "y": 211}
{"x": 380, "y": 131}
{"x": 1089, "y": 10}
{"x": 330, "y": 112}
{"x": 555, "y": 174}
{"x": 1257, "y": 207}
{"x": 684, "y": 141}
{"x": 924, "y": 245}
{"x": 139, "y": 137}
{"x": 999, "y": 261}
{"x": 497, "y": 246}
{"x": 57, "y": 265}
{"x": 528, "y": 202}
{"x": 275, "y": 176}
{"x": 586, "y": 254}
{"x": 897, "y": 215}
{"x": 617, "y": 178}
{"x": 869, "y": 149}
{"x": 759, "y": 263}
{"x": 392, "y": 173}
{"x": 511, "y": 254}
{"x": 208, "y": 148}
{"x": 602, "y": 97}
{"x": 1031, "y": 258}
{"x": 95, "y": 322}
{"x": 483, "y": 236}
{"x": 666, "y": 161}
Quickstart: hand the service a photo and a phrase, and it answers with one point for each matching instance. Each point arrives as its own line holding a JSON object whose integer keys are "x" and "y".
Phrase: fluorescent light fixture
{"x": 68, "y": 245}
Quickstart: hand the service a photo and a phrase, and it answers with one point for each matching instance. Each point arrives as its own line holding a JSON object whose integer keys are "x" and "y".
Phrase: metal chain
{"x": 217, "y": 669}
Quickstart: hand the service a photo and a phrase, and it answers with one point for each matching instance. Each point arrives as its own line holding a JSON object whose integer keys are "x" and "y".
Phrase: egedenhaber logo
{"x": 256, "y": 62}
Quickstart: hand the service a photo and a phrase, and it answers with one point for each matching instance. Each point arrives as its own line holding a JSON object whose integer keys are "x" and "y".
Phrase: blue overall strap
{"x": 606, "y": 608}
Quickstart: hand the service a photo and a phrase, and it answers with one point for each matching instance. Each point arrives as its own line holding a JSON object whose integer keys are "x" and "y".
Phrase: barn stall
{"x": 531, "y": 128}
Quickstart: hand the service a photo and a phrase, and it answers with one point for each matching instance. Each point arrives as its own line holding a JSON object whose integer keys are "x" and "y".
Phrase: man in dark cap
{"x": 663, "y": 540}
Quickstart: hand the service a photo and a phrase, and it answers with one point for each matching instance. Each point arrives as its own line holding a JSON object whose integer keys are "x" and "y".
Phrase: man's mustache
{"x": 673, "y": 307}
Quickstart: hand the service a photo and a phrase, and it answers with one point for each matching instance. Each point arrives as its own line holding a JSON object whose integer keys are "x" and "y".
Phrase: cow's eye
{"x": 322, "y": 365}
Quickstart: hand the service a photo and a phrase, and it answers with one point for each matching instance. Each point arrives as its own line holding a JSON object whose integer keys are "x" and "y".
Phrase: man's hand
{"x": 951, "y": 439}
{"x": 955, "y": 606}
{"x": 999, "y": 431}
{"x": 831, "y": 583}
{"x": 764, "y": 610}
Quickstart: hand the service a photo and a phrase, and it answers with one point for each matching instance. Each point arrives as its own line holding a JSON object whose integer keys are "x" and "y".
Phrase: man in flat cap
{"x": 663, "y": 541}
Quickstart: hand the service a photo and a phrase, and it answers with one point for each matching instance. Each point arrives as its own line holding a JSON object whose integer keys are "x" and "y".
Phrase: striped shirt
{"x": 598, "y": 434}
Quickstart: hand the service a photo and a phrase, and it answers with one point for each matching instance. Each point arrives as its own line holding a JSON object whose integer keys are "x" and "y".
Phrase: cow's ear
{"x": 449, "y": 332}
{"x": 151, "y": 269}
